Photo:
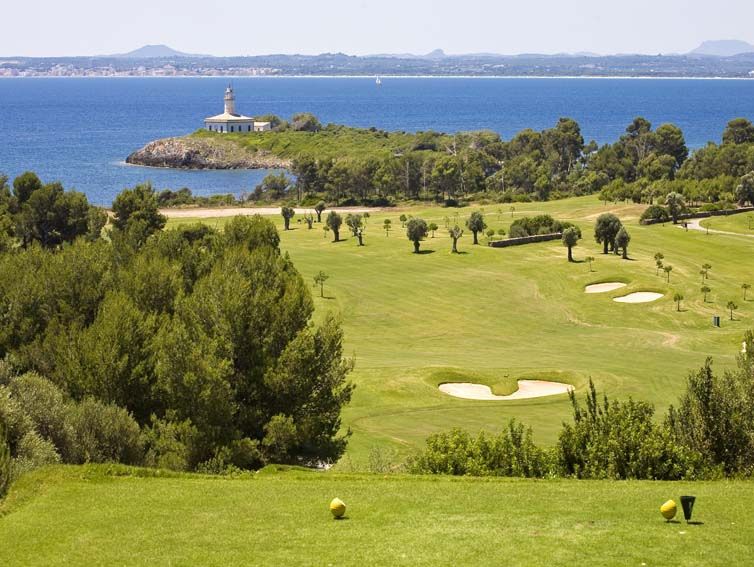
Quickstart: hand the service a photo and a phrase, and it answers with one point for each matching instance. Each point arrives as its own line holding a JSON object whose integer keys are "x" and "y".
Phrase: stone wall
{"x": 526, "y": 240}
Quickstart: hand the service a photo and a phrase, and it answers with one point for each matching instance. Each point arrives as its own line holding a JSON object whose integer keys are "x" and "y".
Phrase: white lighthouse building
{"x": 229, "y": 121}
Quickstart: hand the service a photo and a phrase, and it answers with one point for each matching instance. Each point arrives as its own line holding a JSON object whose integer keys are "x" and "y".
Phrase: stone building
{"x": 230, "y": 122}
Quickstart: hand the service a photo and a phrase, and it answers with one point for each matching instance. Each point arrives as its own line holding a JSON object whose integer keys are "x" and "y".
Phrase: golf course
{"x": 494, "y": 316}
{"x": 485, "y": 317}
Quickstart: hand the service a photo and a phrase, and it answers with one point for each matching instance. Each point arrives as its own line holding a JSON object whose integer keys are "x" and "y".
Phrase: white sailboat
{"x": 378, "y": 82}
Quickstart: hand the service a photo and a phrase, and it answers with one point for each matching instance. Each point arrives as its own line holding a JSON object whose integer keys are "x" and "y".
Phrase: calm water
{"x": 79, "y": 131}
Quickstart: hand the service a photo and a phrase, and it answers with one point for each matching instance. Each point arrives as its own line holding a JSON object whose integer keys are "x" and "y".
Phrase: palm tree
{"x": 667, "y": 269}
{"x": 589, "y": 259}
{"x": 705, "y": 290}
{"x": 678, "y": 297}
{"x": 746, "y": 287}
{"x": 659, "y": 257}
{"x": 703, "y": 273}
{"x": 732, "y": 307}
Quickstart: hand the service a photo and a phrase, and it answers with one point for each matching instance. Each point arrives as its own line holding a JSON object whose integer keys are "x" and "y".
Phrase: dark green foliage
{"x": 416, "y": 231}
{"x": 101, "y": 433}
{"x": 540, "y": 224}
{"x": 715, "y": 416}
{"x": 656, "y": 213}
{"x": 571, "y": 237}
{"x": 620, "y": 440}
{"x": 739, "y": 131}
{"x": 622, "y": 239}
{"x": 476, "y": 224}
{"x": 274, "y": 187}
{"x": 511, "y": 452}
{"x": 606, "y": 229}
{"x": 305, "y": 122}
{"x": 5, "y": 461}
{"x": 334, "y": 222}
{"x": 24, "y": 185}
{"x": 203, "y": 337}
{"x": 137, "y": 210}
{"x": 287, "y": 213}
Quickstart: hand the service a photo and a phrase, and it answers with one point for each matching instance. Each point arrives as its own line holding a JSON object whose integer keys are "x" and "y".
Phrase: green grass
{"x": 497, "y": 314}
{"x": 338, "y": 142}
{"x": 741, "y": 223}
{"x": 95, "y": 516}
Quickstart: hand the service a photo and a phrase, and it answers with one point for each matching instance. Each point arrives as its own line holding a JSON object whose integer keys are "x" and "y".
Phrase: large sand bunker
{"x": 603, "y": 287}
{"x": 639, "y": 297}
{"x": 526, "y": 389}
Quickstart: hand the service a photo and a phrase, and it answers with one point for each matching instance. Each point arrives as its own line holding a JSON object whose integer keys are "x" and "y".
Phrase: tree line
{"x": 644, "y": 164}
{"x": 191, "y": 349}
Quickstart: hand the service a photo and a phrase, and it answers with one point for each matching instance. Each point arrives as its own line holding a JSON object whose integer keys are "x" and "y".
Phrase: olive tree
{"x": 387, "y": 225}
{"x": 433, "y": 228}
{"x": 678, "y": 297}
{"x": 319, "y": 280}
{"x": 606, "y": 229}
{"x": 571, "y": 237}
{"x": 334, "y": 222}
{"x": 287, "y": 213}
{"x": 731, "y": 306}
{"x": 475, "y": 223}
{"x": 416, "y": 230}
{"x": 621, "y": 241}
{"x": 706, "y": 290}
{"x": 455, "y": 234}
{"x": 319, "y": 209}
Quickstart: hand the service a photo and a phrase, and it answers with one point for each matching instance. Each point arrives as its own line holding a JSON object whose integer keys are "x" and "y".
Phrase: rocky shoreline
{"x": 201, "y": 153}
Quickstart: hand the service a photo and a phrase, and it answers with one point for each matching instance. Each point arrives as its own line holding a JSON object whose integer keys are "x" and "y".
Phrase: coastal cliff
{"x": 203, "y": 153}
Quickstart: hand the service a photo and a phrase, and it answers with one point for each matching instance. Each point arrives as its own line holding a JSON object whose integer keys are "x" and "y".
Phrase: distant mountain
{"x": 156, "y": 52}
{"x": 723, "y": 48}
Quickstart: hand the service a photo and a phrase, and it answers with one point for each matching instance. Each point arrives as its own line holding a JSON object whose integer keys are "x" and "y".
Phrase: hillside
{"x": 723, "y": 48}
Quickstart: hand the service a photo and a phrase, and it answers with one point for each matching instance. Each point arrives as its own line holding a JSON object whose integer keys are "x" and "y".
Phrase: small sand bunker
{"x": 639, "y": 297}
{"x": 603, "y": 287}
{"x": 526, "y": 389}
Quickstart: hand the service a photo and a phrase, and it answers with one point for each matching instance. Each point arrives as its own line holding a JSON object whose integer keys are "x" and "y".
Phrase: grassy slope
{"x": 743, "y": 223}
{"x": 79, "y": 515}
{"x": 506, "y": 313}
{"x": 353, "y": 142}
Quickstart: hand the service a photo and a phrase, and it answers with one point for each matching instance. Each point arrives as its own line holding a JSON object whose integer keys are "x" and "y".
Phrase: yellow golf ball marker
{"x": 669, "y": 510}
{"x": 338, "y": 508}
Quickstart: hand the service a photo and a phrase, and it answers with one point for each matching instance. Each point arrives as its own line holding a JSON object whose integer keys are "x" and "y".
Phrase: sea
{"x": 80, "y": 130}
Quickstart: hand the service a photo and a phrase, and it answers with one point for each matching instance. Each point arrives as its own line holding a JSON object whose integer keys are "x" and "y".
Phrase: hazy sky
{"x": 249, "y": 27}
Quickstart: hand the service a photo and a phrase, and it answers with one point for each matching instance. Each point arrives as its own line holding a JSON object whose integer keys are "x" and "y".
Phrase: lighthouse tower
{"x": 231, "y": 122}
{"x": 230, "y": 101}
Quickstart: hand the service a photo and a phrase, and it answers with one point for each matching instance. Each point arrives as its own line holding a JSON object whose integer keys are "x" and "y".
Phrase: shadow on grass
{"x": 424, "y": 252}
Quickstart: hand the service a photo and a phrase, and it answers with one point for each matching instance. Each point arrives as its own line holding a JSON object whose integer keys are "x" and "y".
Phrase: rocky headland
{"x": 203, "y": 153}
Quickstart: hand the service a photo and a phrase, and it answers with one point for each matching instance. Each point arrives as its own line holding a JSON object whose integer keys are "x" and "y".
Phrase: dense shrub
{"x": 532, "y": 226}
{"x": 656, "y": 213}
{"x": 171, "y": 444}
{"x": 512, "y": 452}
{"x": 620, "y": 440}
{"x": 33, "y": 452}
{"x": 44, "y": 404}
{"x": 5, "y": 462}
{"x": 715, "y": 416}
{"x": 103, "y": 433}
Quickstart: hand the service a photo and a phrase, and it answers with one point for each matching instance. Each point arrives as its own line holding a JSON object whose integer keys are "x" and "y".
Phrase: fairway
{"x": 83, "y": 515}
{"x": 493, "y": 316}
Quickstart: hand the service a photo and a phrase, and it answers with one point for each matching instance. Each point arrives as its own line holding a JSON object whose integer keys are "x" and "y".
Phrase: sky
{"x": 359, "y": 27}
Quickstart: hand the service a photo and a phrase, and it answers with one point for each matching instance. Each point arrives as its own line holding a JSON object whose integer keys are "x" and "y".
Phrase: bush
{"x": 510, "y": 453}
{"x": 620, "y": 440}
{"x": 103, "y": 433}
{"x": 541, "y": 224}
{"x": 32, "y": 453}
{"x": 656, "y": 213}
{"x": 171, "y": 444}
{"x": 45, "y": 406}
{"x": 715, "y": 416}
{"x": 5, "y": 462}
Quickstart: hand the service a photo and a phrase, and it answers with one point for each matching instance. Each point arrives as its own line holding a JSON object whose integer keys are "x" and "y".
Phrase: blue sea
{"x": 79, "y": 131}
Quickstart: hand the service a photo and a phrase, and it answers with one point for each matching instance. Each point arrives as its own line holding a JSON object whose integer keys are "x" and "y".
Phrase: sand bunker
{"x": 639, "y": 297}
{"x": 526, "y": 389}
{"x": 603, "y": 287}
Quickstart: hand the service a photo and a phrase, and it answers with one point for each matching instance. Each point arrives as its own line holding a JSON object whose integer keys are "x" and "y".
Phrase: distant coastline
{"x": 391, "y": 77}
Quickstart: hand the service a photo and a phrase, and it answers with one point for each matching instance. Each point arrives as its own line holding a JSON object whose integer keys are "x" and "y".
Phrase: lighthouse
{"x": 230, "y": 122}
{"x": 230, "y": 101}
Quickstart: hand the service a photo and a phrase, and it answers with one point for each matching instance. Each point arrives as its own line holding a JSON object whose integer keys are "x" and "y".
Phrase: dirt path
{"x": 244, "y": 211}
{"x": 696, "y": 224}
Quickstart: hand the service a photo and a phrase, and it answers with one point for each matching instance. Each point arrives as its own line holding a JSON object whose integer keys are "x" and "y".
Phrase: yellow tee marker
{"x": 338, "y": 508}
{"x": 669, "y": 510}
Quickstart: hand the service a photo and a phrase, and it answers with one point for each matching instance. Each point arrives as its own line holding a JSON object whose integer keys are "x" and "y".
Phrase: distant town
{"x": 711, "y": 59}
